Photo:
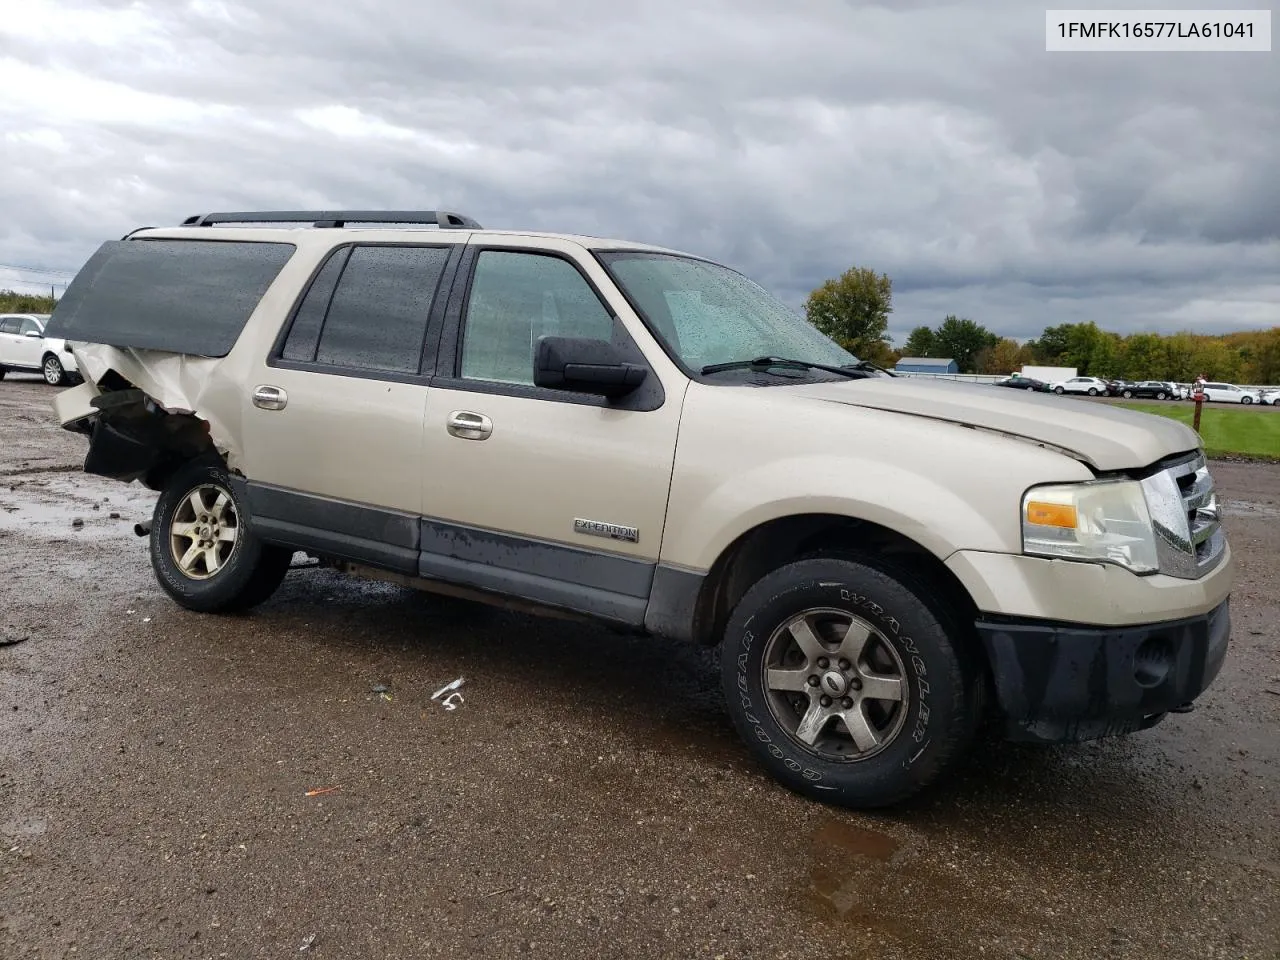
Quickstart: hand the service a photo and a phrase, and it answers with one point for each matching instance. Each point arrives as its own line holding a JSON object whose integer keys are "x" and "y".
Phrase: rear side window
{"x": 367, "y": 309}
{"x": 179, "y": 296}
{"x": 304, "y": 335}
{"x": 9, "y": 326}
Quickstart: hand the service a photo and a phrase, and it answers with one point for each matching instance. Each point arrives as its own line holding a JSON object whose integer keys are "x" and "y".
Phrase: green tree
{"x": 1051, "y": 348}
{"x": 1143, "y": 357}
{"x": 1179, "y": 358}
{"x": 962, "y": 340}
{"x": 853, "y": 310}
{"x": 920, "y": 343}
{"x": 13, "y": 302}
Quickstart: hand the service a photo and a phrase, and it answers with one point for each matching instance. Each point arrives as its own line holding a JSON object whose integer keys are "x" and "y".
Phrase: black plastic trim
{"x": 650, "y": 395}
{"x": 1059, "y": 683}
{"x": 606, "y": 586}
{"x": 353, "y": 531}
{"x": 673, "y": 603}
{"x": 337, "y": 218}
{"x": 581, "y": 567}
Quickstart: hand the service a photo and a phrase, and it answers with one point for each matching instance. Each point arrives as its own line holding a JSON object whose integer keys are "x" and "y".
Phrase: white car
{"x": 23, "y": 346}
{"x": 1271, "y": 397}
{"x": 1230, "y": 393}
{"x": 1090, "y": 385}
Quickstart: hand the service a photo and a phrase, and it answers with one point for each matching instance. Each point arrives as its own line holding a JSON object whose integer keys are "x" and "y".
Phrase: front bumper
{"x": 1058, "y": 683}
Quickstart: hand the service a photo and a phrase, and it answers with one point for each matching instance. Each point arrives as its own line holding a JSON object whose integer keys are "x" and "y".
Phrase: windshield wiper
{"x": 763, "y": 362}
{"x": 868, "y": 365}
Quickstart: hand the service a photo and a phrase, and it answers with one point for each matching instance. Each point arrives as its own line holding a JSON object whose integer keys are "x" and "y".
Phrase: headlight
{"x": 1105, "y": 521}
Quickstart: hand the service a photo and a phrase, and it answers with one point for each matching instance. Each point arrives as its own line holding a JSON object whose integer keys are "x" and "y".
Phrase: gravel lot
{"x": 588, "y": 798}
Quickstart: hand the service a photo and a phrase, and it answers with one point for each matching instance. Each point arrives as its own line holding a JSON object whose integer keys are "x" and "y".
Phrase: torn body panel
{"x": 143, "y": 409}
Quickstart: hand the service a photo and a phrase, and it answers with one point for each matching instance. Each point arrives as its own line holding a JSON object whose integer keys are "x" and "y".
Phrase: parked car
{"x": 1116, "y": 387}
{"x": 1271, "y": 397}
{"x": 606, "y": 429}
{"x": 1018, "y": 382}
{"x": 1093, "y": 386}
{"x": 23, "y": 346}
{"x": 1149, "y": 389}
{"x": 1230, "y": 393}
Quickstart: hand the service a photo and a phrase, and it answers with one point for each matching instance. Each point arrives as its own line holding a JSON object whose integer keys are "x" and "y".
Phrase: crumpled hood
{"x": 1106, "y": 436}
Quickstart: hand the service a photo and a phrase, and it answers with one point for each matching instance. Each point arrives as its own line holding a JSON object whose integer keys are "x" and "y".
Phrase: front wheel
{"x": 846, "y": 684}
{"x": 202, "y": 551}
{"x": 54, "y": 375}
{"x": 1093, "y": 391}
{"x": 1128, "y": 394}
{"x": 1160, "y": 396}
{"x": 1246, "y": 400}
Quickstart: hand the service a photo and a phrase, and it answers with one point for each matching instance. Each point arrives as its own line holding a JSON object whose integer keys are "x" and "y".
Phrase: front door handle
{"x": 269, "y": 398}
{"x": 469, "y": 426}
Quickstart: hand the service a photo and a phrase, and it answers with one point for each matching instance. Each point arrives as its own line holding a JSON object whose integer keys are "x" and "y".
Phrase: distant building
{"x": 926, "y": 365}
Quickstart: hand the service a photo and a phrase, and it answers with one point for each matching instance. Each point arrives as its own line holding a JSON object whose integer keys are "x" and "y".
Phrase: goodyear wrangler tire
{"x": 202, "y": 551}
{"x": 845, "y": 684}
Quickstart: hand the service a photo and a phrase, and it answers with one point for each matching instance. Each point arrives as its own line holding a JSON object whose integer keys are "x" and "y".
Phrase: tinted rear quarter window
{"x": 179, "y": 296}
{"x": 304, "y": 335}
{"x": 368, "y": 308}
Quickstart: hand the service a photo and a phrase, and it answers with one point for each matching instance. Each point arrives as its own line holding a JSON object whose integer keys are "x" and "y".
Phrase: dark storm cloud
{"x": 937, "y": 142}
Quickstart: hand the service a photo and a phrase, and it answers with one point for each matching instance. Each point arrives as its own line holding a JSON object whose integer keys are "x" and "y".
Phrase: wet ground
{"x": 586, "y": 798}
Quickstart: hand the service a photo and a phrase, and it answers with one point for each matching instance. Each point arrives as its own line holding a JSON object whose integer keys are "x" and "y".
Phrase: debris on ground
{"x": 320, "y": 790}
{"x": 307, "y": 943}
{"x": 454, "y": 699}
{"x": 12, "y": 641}
{"x": 77, "y": 523}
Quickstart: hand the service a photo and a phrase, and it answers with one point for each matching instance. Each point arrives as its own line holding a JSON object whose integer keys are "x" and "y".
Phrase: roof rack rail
{"x": 337, "y": 218}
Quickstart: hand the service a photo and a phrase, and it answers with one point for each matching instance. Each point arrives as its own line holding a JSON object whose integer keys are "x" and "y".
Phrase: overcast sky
{"x": 937, "y": 142}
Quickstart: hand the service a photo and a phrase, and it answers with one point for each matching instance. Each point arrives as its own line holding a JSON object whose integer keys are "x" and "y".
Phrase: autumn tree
{"x": 1004, "y": 358}
{"x": 853, "y": 310}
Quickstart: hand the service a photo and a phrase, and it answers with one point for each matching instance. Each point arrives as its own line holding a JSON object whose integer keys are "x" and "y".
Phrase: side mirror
{"x": 33, "y": 333}
{"x": 585, "y": 366}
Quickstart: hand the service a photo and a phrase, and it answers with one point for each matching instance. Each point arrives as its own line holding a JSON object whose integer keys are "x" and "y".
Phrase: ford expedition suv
{"x": 649, "y": 439}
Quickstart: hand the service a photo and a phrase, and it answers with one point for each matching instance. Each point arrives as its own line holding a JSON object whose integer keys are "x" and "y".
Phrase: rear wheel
{"x": 846, "y": 684}
{"x": 2, "y": 372}
{"x": 54, "y": 375}
{"x": 1128, "y": 394}
{"x": 203, "y": 553}
{"x": 1059, "y": 391}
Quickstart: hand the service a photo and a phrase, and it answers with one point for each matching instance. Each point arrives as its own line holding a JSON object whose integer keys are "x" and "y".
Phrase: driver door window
{"x": 517, "y": 298}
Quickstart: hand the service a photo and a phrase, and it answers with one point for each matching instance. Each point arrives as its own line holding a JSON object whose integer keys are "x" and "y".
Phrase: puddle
{"x": 852, "y": 866}
{"x": 859, "y": 841}
{"x": 73, "y": 508}
{"x": 1248, "y": 508}
{"x": 24, "y": 828}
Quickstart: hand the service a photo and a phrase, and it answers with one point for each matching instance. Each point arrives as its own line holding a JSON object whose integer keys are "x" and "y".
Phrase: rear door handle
{"x": 469, "y": 426}
{"x": 268, "y": 397}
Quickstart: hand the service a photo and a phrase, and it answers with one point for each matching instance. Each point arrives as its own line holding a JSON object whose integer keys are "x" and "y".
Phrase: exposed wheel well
{"x": 784, "y": 540}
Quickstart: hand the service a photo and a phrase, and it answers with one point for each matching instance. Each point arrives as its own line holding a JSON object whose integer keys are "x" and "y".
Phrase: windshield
{"x": 709, "y": 314}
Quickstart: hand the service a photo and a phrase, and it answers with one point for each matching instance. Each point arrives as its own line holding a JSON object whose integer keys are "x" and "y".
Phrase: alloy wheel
{"x": 204, "y": 531}
{"x": 835, "y": 684}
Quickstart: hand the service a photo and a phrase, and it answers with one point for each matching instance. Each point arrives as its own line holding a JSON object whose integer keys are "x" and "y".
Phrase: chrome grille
{"x": 1184, "y": 511}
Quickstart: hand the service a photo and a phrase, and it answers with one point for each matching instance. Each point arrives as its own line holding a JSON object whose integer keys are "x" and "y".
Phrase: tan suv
{"x": 649, "y": 439}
